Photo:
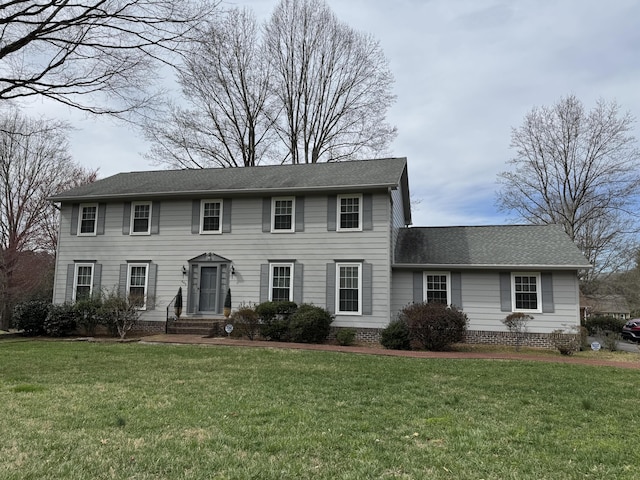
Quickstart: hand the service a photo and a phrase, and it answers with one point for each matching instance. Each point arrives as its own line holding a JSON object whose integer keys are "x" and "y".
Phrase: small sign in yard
{"x": 595, "y": 346}
{"x": 228, "y": 328}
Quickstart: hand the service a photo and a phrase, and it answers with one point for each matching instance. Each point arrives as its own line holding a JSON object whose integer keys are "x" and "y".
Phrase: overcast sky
{"x": 466, "y": 72}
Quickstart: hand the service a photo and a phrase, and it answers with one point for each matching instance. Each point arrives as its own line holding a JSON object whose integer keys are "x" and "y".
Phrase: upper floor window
{"x": 283, "y": 214}
{"x": 137, "y": 283}
{"x": 88, "y": 219}
{"x": 526, "y": 292}
{"x": 211, "y": 216}
{"x": 83, "y": 282}
{"x": 349, "y": 288}
{"x": 349, "y": 212}
{"x": 141, "y": 218}
{"x": 437, "y": 287}
{"x": 281, "y": 282}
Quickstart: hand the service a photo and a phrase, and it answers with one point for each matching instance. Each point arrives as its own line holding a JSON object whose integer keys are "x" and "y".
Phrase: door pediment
{"x": 209, "y": 257}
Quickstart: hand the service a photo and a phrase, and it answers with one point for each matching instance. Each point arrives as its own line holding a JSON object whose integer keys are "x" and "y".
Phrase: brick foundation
{"x": 535, "y": 340}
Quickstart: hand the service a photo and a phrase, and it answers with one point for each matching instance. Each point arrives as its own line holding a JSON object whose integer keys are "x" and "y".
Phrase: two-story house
{"x": 333, "y": 234}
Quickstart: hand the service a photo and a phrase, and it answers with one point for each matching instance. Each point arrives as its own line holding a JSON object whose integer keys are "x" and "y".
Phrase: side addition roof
{"x": 505, "y": 246}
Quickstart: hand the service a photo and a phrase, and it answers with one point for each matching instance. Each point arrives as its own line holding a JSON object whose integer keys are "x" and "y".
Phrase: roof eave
{"x": 488, "y": 266}
{"x": 224, "y": 192}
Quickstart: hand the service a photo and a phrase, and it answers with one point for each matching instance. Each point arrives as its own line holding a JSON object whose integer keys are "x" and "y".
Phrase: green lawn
{"x": 74, "y": 410}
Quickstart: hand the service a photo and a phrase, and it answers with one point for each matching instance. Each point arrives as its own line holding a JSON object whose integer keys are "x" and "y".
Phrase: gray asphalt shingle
{"x": 506, "y": 245}
{"x": 271, "y": 178}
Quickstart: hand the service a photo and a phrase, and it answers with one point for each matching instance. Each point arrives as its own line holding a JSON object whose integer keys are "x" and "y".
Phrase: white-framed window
{"x": 140, "y": 218}
{"x": 137, "y": 283}
{"x": 526, "y": 292}
{"x": 349, "y": 213}
{"x": 83, "y": 282}
{"x": 88, "y": 219}
{"x": 283, "y": 214}
{"x": 211, "y": 216}
{"x": 281, "y": 282}
{"x": 437, "y": 287}
{"x": 349, "y": 288}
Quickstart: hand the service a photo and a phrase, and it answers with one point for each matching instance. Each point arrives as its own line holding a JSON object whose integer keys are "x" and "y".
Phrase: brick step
{"x": 189, "y": 331}
{"x": 197, "y": 326}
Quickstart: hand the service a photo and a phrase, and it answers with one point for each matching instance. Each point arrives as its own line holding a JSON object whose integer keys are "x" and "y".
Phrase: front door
{"x": 208, "y": 289}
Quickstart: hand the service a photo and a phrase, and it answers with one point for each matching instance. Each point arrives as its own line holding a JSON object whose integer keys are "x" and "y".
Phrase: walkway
{"x": 372, "y": 350}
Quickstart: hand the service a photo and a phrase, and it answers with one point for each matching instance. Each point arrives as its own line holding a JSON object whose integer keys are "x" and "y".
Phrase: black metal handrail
{"x": 173, "y": 317}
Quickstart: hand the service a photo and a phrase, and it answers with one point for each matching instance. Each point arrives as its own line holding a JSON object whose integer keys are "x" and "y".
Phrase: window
{"x": 87, "y": 221}
{"x": 283, "y": 214}
{"x": 211, "y": 216}
{"x": 137, "y": 281}
{"x": 437, "y": 287}
{"x": 280, "y": 282}
{"x": 348, "y": 286}
{"x": 526, "y": 292}
{"x": 83, "y": 282}
{"x": 349, "y": 212}
{"x": 141, "y": 218}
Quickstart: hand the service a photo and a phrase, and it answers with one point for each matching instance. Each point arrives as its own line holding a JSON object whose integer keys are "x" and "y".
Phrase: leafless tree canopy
{"x": 580, "y": 170}
{"x": 71, "y": 50}
{"x": 34, "y": 164}
{"x": 225, "y": 80}
{"x": 308, "y": 89}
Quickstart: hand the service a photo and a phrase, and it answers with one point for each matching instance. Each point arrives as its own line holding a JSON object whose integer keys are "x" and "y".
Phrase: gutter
{"x": 488, "y": 266}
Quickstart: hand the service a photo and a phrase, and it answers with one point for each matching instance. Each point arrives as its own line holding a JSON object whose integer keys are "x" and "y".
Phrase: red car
{"x": 631, "y": 330}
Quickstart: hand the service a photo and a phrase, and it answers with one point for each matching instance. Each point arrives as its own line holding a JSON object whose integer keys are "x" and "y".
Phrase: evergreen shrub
{"x": 309, "y": 324}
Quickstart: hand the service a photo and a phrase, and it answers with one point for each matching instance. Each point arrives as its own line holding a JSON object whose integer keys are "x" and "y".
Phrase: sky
{"x": 466, "y": 73}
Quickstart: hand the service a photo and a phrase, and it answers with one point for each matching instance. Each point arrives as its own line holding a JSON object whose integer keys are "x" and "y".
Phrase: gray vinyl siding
{"x": 247, "y": 246}
{"x": 397, "y": 215}
{"x": 481, "y": 300}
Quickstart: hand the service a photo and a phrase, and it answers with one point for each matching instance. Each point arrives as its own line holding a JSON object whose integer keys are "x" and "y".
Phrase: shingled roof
{"x": 505, "y": 246}
{"x": 323, "y": 177}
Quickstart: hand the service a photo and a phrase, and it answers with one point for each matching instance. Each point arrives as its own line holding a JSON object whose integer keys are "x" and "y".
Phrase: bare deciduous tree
{"x": 333, "y": 83}
{"x": 310, "y": 89}
{"x": 580, "y": 170}
{"x": 225, "y": 80}
{"x": 34, "y": 164}
{"x": 70, "y": 50}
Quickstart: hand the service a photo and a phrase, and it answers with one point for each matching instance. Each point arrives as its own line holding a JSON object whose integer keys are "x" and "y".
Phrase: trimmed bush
{"x": 434, "y": 326}
{"x": 346, "y": 336}
{"x": 246, "y": 322}
{"x": 87, "y": 314}
{"x": 516, "y": 323}
{"x": 274, "y": 318}
{"x": 567, "y": 343}
{"x": 603, "y": 323}
{"x": 396, "y": 336}
{"x": 310, "y": 324}
{"x": 30, "y": 316}
{"x": 61, "y": 320}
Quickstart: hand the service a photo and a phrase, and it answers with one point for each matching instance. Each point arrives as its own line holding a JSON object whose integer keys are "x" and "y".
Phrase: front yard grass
{"x": 76, "y": 410}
